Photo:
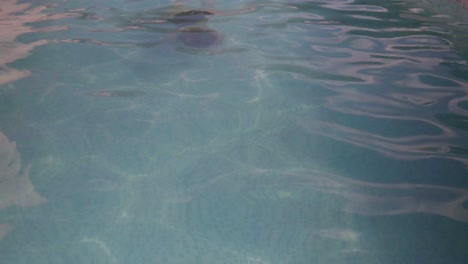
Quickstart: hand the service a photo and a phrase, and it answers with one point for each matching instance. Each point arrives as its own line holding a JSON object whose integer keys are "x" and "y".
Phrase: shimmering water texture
{"x": 260, "y": 132}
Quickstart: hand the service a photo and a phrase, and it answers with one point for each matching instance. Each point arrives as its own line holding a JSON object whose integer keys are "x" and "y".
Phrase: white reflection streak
{"x": 368, "y": 198}
{"x": 351, "y": 101}
{"x": 102, "y": 247}
{"x": 407, "y": 148}
{"x": 453, "y": 105}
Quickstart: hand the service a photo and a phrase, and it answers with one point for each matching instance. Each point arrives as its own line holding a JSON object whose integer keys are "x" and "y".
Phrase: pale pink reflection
{"x": 397, "y": 106}
{"x": 454, "y": 105}
{"x": 368, "y": 198}
{"x": 13, "y": 19}
{"x": 405, "y": 147}
{"x": 16, "y": 188}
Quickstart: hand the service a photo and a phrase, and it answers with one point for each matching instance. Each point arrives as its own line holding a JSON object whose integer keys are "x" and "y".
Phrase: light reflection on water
{"x": 292, "y": 132}
{"x": 15, "y": 18}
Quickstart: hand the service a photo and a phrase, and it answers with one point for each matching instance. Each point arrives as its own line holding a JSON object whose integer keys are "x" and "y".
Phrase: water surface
{"x": 293, "y": 132}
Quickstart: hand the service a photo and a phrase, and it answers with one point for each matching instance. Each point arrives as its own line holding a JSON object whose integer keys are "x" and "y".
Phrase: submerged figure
{"x": 191, "y": 29}
{"x": 199, "y": 37}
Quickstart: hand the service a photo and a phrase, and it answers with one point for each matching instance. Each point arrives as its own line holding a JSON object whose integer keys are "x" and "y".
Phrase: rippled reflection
{"x": 16, "y": 188}
{"x": 178, "y": 23}
{"x": 386, "y": 72}
{"x": 156, "y": 148}
{"x": 16, "y": 19}
{"x": 369, "y": 198}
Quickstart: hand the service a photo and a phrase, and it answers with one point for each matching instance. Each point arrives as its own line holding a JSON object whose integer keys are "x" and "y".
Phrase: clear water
{"x": 313, "y": 132}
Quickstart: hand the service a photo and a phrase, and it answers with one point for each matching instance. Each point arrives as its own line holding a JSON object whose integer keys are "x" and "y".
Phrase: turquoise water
{"x": 308, "y": 132}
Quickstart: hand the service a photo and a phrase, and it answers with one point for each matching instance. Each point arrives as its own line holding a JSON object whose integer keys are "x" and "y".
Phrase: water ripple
{"x": 16, "y": 19}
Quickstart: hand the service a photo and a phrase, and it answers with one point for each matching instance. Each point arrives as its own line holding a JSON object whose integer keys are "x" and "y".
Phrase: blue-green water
{"x": 310, "y": 132}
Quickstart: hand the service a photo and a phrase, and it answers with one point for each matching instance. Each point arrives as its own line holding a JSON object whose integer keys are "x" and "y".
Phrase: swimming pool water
{"x": 307, "y": 132}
